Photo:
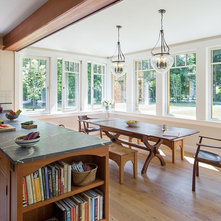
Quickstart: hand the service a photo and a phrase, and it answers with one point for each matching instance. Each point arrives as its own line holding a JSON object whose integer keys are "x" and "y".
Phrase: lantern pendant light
{"x": 161, "y": 61}
{"x": 118, "y": 68}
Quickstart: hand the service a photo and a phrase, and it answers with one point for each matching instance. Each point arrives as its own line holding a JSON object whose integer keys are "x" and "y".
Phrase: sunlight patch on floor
{"x": 162, "y": 153}
{"x": 207, "y": 166}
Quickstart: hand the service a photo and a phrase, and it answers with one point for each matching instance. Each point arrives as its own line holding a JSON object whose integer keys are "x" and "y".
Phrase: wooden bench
{"x": 121, "y": 155}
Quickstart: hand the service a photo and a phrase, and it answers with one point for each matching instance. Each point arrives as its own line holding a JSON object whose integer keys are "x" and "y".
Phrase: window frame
{"x": 136, "y": 72}
{"x": 103, "y": 74}
{"x": 113, "y": 79}
{"x": 64, "y": 86}
{"x": 168, "y": 83}
{"x": 47, "y": 84}
{"x": 210, "y": 72}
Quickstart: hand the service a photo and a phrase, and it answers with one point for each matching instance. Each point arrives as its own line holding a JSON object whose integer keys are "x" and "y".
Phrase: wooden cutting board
{"x": 7, "y": 129}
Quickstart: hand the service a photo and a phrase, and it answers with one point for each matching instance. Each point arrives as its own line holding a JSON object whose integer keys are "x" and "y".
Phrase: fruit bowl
{"x": 24, "y": 140}
{"x": 12, "y": 114}
{"x": 132, "y": 123}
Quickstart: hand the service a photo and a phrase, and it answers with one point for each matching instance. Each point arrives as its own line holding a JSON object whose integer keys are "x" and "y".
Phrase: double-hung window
{"x": 119, "y": 93}
{"x": 35, "y": 83}
{"x": 216, "y": 83}
{"x": 96, "y": 82}
{"x": 68, "y": 85}
{"x": 182, "y": 86}
{"x": 145, "y": 87}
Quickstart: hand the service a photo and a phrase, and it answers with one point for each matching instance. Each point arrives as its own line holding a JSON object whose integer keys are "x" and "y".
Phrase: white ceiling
{"x": 96, "y": 35}
{"x": 184, "y": 20}
{"x": 13, "y": 12}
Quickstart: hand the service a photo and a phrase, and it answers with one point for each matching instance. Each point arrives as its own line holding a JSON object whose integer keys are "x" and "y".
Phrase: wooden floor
{"x": 164, "y": 193}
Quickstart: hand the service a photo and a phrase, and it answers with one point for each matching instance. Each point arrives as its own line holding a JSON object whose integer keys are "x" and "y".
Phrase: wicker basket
{"x": 84, "y": 178}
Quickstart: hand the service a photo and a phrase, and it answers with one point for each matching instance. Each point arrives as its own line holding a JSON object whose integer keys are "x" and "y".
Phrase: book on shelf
{"x": 47, "y": 182}
{"x": 80, "y": 207}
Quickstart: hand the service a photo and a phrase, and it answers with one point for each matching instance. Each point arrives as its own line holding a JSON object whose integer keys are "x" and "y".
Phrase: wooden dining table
{"x": 146, "y": 132}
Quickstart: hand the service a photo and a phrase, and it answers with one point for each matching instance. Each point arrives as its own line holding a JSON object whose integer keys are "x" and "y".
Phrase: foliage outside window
{"x": 68, "y": 85}
{"x": 182, "y": 86}
{"x": 71, "y": 85}
{"x": 119, "y": 93}
{"x": 96, "y": 74}
{"x": 216, "y": 83}
{"x": 34, "y": 73}
{"x": 145, "y": 87}
{"x": 59, "y": 84}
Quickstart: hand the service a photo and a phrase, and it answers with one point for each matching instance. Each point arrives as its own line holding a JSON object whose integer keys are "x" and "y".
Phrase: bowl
{"x": 132, "y": 123}
{"x": 26, "y": 143}
{"x": 12, "y": 117}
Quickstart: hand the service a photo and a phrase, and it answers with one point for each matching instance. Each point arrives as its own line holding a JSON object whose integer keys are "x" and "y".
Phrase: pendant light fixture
{"x": 118, "y": 59}
{"x": 161, "y": 60}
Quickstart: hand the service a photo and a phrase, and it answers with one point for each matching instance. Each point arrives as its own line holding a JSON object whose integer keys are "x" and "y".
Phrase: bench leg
{"x": 135, "y": 165}
{"x": 182, "y": 150}
{"x": 121, "y": 171}
{"x": 173, "y": 153}
{"x": 130, "y": 139}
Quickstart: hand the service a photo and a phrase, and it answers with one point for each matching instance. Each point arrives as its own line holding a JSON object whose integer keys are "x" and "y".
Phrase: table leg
{"x": 154, "y": 152}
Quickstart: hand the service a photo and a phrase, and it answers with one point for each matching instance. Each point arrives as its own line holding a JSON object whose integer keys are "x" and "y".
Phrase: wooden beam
{"x": 50, "y": 18}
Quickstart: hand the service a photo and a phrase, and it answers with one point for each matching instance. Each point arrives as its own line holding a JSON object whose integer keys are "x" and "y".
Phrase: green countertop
{"x": 54, "y": 141}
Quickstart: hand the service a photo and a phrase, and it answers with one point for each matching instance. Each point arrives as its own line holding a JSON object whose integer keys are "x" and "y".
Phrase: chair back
{"x": 82, "y": 126}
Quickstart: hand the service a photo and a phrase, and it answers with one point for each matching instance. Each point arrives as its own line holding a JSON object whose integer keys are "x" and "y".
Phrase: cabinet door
{"x": 4, "y": 190}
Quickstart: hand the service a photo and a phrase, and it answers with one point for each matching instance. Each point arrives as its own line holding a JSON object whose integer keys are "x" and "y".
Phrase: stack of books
{"x": 47, "y": 182}
{"x": 87, "y": 206}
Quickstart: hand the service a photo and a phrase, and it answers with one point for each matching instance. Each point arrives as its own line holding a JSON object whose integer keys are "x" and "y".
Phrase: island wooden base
{"x": 11, "y": 207}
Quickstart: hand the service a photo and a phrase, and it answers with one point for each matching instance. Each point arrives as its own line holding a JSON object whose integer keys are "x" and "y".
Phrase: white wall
{"x": 7, "y": 78}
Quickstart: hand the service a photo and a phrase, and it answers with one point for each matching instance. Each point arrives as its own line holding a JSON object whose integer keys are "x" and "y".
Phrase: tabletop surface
{"x": 54, "y": 141}
{"x": 143, "y": 128}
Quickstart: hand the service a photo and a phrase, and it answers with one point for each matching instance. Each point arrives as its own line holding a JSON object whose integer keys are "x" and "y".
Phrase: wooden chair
{"x": 85, "y": 127}
{"x": 205, "y": 157}
{"x": 121, "y": 155}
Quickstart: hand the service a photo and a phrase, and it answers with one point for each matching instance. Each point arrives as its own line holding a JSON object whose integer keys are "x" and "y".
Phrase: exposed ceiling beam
{"x": 53, "y": 16}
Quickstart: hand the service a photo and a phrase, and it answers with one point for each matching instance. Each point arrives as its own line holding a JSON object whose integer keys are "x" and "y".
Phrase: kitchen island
{"x": 56, "y": 143}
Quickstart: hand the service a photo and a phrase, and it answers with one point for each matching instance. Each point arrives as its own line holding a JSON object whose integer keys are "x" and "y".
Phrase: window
{"x": 68, "y": 85}
{"x": 119, "y": 93}
{"x": 182, "y": 86}
{"x": 145, "y": 87}
{"x": 96, "y": 74}
{"x": 34, "y": 84}
{"x": 59, "y": 84}
{"x": 216, "y": 83}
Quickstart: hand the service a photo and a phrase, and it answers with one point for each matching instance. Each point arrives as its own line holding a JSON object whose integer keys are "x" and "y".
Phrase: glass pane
{"x": 146, "y": 91}
{"x": 97, "y": 89}
{"x": 183, "y": 91}
{"x": 95, "y": 68}
{"x": 119, "y": 89}
{"x": 71, "y": 68}
{"x": 140, "y": 65}
{"x": 216, "y": 108}
{"x": 174, "y": 61}
{"x": 66, "y": 66}
{"x": 72, "y": 89}
{"x": 89, "y": 82}
{"x": 181, "y": 60}
{"x": 59, "y": 84}
{"x": 145, "y": 65}
{"x": 99, "y": 69}
{"x": 216, "y": 55}
{"x": 34, "y": 84}
{"x": 76, "y": 67}
{"x": 191, "y": 59}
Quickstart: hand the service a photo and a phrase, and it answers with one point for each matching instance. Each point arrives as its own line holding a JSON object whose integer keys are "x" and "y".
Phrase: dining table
{"x": 151, "y": 135}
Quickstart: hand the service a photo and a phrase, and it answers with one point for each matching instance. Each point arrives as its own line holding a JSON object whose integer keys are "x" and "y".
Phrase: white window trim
{"x": 19, "y": 104}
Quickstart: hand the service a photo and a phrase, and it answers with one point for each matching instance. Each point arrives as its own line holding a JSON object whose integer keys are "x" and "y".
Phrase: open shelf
{"x": 74, "y": 190}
